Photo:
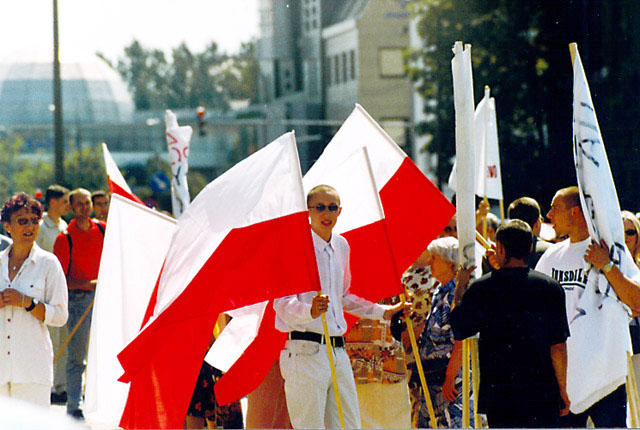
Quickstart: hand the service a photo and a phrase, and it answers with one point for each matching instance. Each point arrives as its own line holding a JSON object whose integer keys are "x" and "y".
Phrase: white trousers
{"x": 308, "y": 386}
{"x": 38, "y": 394}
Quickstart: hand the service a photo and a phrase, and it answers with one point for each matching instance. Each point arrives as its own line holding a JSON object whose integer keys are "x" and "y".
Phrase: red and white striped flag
{"x": 414, "y": 212}
{"x": 244, "y": 239}
{"x": 117, "y": 184}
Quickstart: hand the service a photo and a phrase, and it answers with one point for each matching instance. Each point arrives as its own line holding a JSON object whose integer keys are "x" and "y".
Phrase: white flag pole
{"x": 465, "y": 186}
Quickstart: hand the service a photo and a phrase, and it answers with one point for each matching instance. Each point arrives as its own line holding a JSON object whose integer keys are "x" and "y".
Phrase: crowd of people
{"x": 49, "y": 271}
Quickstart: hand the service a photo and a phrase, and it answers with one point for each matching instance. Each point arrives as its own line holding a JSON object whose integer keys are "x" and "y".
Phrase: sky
{"x": 107, "y": 26}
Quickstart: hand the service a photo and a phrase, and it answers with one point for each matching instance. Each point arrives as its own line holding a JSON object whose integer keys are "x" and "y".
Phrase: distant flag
{"x": 415, "y": 211}
{"x": 178, "y": 139}
{"x": 244, "y": 239}
{"x": 487, "y": 176}
{"x": 599, "y": 342}
{"x": 485, "y": 133}
{"x": 135, "y": 245}
{"x": 117, "y": 184}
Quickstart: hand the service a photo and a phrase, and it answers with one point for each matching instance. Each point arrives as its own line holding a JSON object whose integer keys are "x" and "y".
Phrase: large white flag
{"x": 597, "y": 348}
{"x": 135, "y": 245}
{"x": 465, "y": 153}
{"x": 178, "y": 139}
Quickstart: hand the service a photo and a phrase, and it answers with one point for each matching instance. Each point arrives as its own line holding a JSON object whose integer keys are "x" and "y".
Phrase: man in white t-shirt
{"x": 51, "y": 225}
{"x": 568, "y": 263}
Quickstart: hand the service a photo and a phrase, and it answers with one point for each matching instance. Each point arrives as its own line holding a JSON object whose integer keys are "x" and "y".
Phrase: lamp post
{"x": 58, "y": 132}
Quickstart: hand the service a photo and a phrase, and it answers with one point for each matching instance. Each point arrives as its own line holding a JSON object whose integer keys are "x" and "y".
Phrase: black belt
{"x": 336, "y": 341}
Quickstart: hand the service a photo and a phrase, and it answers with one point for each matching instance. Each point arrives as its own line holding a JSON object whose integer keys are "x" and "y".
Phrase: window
{"x": 352, "y": 67}
{"x": 344, "y": 67}
{"x": 336, "y": 68}
{"x": 391, "y": 62}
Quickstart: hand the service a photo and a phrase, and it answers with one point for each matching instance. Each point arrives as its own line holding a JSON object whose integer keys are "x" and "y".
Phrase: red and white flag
{"x": 244, "y": 239}
{"x": 414, "y": 210}
{"x": 135, "y": 245}
{"x": 117, "y": 184}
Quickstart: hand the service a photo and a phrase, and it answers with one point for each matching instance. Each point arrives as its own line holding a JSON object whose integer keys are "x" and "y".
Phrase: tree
{"x": 187, "y": 80}
{"x": 520, "y": 49}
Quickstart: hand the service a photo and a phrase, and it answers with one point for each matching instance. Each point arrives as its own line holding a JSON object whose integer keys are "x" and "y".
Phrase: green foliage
{"x": 520, "y": 49}
{"x": 187, "y": 80}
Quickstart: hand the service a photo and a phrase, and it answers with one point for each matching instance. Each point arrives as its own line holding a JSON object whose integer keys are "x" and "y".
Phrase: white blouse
{"x": 25, "y": 346}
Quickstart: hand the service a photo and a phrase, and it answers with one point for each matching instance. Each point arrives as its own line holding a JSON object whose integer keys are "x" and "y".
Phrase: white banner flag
{"x": 489, "y": 178}
{"x": 597, "y": 348}
{"x": 465, "y": 153}
{"x": 135, "y": 245}
{"x": 178, "y": 139}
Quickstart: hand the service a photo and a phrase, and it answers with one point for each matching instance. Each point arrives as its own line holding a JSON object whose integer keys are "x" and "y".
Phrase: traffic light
{"x": 201, "y": 122}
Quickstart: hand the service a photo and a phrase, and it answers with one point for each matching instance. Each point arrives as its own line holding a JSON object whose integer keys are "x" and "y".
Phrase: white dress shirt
{"x": 26, "y": 354}
{"x": 49, "y": 230}
{"x": 293, "y": 313}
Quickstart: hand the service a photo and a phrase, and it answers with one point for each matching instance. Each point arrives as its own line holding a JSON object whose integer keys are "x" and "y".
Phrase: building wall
{"x": 383, "y": 35}
{"x": 341, "y": 71}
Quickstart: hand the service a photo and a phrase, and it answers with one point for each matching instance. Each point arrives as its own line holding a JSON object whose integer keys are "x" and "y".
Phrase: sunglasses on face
{"x": 25, "y": 221}
{"x": 321, "y": 208}
{"x": 630, "y": 232}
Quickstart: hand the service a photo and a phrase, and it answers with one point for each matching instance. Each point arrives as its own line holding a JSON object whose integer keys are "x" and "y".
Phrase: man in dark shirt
{"x": 520, "y": 315}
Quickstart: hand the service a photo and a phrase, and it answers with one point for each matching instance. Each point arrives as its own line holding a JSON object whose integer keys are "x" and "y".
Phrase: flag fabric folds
{"x": 178, "y": 139}
{"x": 597, "y": 348}
{"x": 414, "y": 211}
{"x": 244, "y": 239}
{"x": 117, "y": 184}
{"x": 135, "y": 245}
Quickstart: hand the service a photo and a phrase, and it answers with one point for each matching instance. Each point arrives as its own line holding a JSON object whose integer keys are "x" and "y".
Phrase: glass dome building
{"x": 92, "y": 92}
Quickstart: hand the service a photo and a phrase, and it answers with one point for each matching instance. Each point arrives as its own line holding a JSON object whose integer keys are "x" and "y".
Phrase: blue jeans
{"x": 77, "y": 348}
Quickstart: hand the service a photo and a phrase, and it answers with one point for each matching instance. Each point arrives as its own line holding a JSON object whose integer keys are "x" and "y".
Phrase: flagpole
{"x": 631, "y": 392}
{"x": 327, "y": 341}
{"x": 73, "y": 331}
{"x": 475, "y": 374}
{"x": 501, "y": 202}
{"x": 412, "y": 336}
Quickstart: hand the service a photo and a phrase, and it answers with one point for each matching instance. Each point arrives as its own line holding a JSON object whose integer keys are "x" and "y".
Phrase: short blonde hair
{"x": 322, "y": 189}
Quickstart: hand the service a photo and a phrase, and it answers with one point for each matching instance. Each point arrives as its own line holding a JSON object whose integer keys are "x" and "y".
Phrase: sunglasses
{"x": 630, "y": 232}
{"x": 321, "y": 208}
{"x": 25, "y": 221}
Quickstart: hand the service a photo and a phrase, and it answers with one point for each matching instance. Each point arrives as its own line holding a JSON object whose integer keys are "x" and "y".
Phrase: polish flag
{"x": 244, "y": 239}
{"x": 117, "y": 184}
{"x": 414, "y": 211}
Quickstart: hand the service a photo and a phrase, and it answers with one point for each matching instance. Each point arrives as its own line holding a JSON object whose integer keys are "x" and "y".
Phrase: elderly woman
{"x": 33, "y": 295}
{"x": 441, "y": 356}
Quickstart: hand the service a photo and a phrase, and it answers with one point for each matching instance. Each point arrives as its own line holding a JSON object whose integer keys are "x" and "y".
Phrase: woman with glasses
{"x": 631, "y": 232}
{"x": 33, "y": 294}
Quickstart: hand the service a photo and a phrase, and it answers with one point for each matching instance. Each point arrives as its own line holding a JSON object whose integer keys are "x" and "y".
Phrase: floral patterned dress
{"x": 420, "y": 286}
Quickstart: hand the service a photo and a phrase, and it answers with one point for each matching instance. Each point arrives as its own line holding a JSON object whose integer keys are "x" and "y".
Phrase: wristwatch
{"x": 32, "y": 306}
{"x": 608, "y": 267}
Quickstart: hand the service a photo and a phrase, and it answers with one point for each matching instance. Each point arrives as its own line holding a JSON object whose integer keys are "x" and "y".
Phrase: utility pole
{"x": 58, "y": 132}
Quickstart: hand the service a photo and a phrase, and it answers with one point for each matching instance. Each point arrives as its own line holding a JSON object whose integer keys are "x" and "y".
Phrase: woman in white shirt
{"x": 33, "y": 294}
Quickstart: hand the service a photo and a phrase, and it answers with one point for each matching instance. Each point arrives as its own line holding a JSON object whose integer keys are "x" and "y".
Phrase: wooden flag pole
{"x": 632, "y": 393}
{"x": 475, "y": 375}
{"x": 466, "y": 395}
{"x": 327, "y": 341}
{"x": 423, "y": 380}
{"x": 501, "y": 203}
{"x": 73, "y": 331}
